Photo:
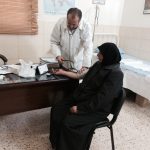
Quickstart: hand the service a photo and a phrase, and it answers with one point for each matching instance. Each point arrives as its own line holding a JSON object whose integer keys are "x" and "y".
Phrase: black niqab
{"x": 111, "y": 54}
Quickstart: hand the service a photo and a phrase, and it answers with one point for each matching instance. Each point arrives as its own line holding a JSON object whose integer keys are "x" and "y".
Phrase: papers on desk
{"x": 14, "y": 66}
{"x": 5, "y": 69}
{"x": 2, "y": 72}
{"x": 48, "y": 60}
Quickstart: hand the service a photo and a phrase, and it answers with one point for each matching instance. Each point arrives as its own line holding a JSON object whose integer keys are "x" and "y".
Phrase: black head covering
{"x": 111, "y": 54}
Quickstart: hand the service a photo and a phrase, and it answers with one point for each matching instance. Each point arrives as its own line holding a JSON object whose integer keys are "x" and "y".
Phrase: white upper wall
{"x": 133, "y": 14}
{"x": 109, "y": 14}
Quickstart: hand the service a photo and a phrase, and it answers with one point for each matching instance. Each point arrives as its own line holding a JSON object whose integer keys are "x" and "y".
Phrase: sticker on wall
{"x": 147, "y": 7}
{"x": 101, "y": 2}
{"x": 56, "y": 7}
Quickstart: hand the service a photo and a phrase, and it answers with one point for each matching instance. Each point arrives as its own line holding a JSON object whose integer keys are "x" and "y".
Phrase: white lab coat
{"x": 77, "y": 47}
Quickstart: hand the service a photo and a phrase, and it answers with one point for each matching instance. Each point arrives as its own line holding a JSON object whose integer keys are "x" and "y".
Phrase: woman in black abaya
{"x": 91, "y": 102}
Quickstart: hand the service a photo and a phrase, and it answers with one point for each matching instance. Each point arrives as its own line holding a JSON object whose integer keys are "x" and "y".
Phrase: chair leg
{"x": 89, "y": 140}
{"x": 112, "y": 137}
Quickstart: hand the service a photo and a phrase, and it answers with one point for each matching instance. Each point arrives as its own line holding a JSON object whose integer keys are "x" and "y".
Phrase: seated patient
{"x": 91, "y": 102}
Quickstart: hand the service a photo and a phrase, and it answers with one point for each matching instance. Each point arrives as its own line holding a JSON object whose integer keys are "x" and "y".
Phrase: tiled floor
{"x": 30, "y": 130}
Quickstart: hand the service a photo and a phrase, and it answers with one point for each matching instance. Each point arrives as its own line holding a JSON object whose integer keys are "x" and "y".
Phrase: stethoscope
{"x": 70, "y": 33}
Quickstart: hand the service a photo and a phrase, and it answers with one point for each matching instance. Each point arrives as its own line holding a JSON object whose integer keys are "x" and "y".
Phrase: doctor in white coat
{"x": 71, "y": 40}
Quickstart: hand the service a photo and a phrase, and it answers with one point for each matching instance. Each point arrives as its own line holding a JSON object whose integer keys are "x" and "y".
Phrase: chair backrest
{"x": 4, "y": 59}
{"x": 118, "y": 102}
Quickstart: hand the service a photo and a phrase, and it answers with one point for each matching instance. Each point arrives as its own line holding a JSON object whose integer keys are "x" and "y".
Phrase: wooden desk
{"x": 19, "y": 94}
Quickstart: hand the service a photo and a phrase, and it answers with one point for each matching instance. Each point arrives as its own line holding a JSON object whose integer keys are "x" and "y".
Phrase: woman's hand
{"x": 74, "y": 109}
{"x": 65, "y": 73}
{"x": 59, "y": 71}
{"x": 83, "y": 69}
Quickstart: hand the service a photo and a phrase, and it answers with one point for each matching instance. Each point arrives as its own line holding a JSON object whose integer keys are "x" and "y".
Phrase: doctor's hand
{"x": 60, "y": 59}
{"x": 73, "y": 109}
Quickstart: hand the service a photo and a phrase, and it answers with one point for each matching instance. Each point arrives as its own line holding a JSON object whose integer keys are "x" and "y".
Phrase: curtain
{"x": 18, "y": 16}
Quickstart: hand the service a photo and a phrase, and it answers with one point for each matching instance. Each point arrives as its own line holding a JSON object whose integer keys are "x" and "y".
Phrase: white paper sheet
{"x": 48, "y": 59}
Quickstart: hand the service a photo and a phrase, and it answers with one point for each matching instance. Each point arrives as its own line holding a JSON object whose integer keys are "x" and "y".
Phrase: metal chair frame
{"x": 109, "y": 123}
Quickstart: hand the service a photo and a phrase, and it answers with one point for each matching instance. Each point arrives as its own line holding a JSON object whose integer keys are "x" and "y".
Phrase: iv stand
{"x": 95, "y": 19}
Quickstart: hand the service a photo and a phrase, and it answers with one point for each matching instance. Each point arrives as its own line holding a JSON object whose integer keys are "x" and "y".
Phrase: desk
{"x": 20, "y": 94}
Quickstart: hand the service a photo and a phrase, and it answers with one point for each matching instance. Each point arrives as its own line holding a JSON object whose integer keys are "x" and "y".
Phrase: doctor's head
{"x": 74, "y": 16}
{"x": 109, "y": 54}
